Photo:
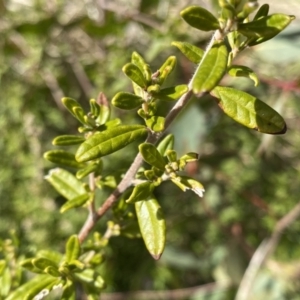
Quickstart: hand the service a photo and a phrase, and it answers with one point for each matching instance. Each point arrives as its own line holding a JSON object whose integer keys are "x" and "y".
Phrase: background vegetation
{"x": 51, "y": 49}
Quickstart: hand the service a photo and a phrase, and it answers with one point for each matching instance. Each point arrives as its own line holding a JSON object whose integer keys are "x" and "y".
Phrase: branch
{"x": 264, "y": 251}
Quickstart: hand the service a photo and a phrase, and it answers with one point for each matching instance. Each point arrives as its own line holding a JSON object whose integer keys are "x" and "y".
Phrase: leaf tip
{"x": 156, "y": 256}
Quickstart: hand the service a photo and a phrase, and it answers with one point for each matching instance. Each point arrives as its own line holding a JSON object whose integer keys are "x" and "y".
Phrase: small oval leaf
{"x": 186, "y": 183}
{"x": 126, "y": 101}
{"x": 166, "y": 144}
{"x": 243, "y": 71}
{"x": 200, "y": 18}
{"x": 249, "y": 110}
{"x": 76, "y": 202}
{"x": 42, "y": 263}
{"x": 211, "y": 69}
{"x": 135, "y": 74}
{"x": 156, "y": 123}
{"x": 171, "y": 93}
{"x": 65, "y": 183}
{"x": 139, "y": 61}
{"x": 141, "y": 192}
{"x": 265, "y": 28}
{"x": 68, "y": 140}
{"x": 72, "y": 248}
{"x": 109, "y": 141}
{"x": 152, "y": 156}
{"x": 62, "y": 157}
{"x": 191, "y": 52}
{"x": 165, "y": 70}
{"x": 152, "y": 225}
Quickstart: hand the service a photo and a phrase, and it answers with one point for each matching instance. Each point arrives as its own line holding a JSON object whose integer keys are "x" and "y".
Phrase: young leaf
{"x": 152, "y": 156}
{"x": 95, "y": 108}
{"x": 156, "y": 123}
{"x": 76, "y": 202}
{"x": 192, "y": 53}
{"x": 97, "y": 167}
{"x": 166, "y": 144}
{"x": 152, "y": 225}
{"x": 243, "y": 71}
{"x": 72, "y": 248}
{"x": 249, "y": 111}
{"x": 65, "y": 183}
{"x": 135, "y": 74}
{"x": 109, "y": 141}
{"x": 141, "y": 192}
{"x": 42, "y": 263}
{"x": 171, "y": 93}
{"x": 262, "y": 12}
{"x": 211, "y": 69}
{"x": 165, "y": 70}
{"x": 265, "y": 28}
{"x": 68, "y": 140}
{"x": 62, "y": 157}
{"x": 200, "y": 18}
{"x": 71, "y": 104}
{"x": 138, "y": 60}
{"x": 186, "y": 183}
{"x": 126, "y": 101}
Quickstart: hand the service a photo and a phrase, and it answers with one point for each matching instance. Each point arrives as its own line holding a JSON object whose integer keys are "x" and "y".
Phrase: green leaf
{"x": 135, "y": 74}
{"x": 92, "y": 168}
{"x": 72, "y": 248}
{"x": 190, "y": 156}
{"x": 152, "y": 156}
{"x": 152, "y": 225}
{"x": 31, "y": 288}
{"x": 68, "y": 292}
{"x": 68, "y": 140}
{"x": 141, "y": 192}
{"x": 171, "y": 93}
{"x": 42, "y": 263}
{"x": 211, "y": 69}
{"x": 243, "y": 71}
{"x": 171, "y": 155}
{"x": 165, "y": 70}
{"x": 262, "y": 12}
{"x": 28, "y": 265}
{"x": 126, "y": 101}
{"x": 249, "y": 110}
{"x": 65, "y": 183}
{"x": 109, "y": 141}
{"x": 76, "y": 202}
{"x": 52, "y": 271}
{"x": 167, "y": 143}
{"x": 71, "y": 105}
{"x": 192, "y": 53}
{"x": 104, "y": 114}
{"x": 264, "y": 28}
{"x": 62, "y": 157}
{"x": 186, "y": 183}
{"x": 138, "y": 60}
{"x": 200, "y": 18}
{"x": 156, "y": 123}
{"x": 95, "y": 108}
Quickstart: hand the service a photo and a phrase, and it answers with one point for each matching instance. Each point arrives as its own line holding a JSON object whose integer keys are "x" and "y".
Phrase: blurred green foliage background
{"x": 51, "y": 49}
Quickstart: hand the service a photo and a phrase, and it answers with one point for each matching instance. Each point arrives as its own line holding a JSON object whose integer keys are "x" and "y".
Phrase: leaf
{"x": 68, "y": 292}
{"x": 73, "y": 107}
{"x": 166, "y": 144}
{"x": 165, "y": 70}
{"x": 262, "y": 12}
{"x": 28, "y": 265}
{"x": 191, "y": 52}
{"x": 152, "y": 156}
{"x": 62, "y": 157}
{"x": 249, "y": 110}
{"x": 156, "y": 123}
{"x": 152, "y": 225}
{"x": 138, "y": 60}
{"x": 42, "y": 263}
{"x": 186, "y": 183}
{"x": 135, "y": 74}
{"x": 171, "y": 155}
{"x": 72, "y": 248}
{"x": 97, "y": 168}
{"x": 243, "y": 71}
{"x": 52, "y": 271}
{"x": 31, "y": 288}
{"x": 200, "y": 18}
{"x": 264, "y": 28}
{"x": 190, "y": 156}
{"x": 126, "y": 101}
{"x": 76, "y": 202}
{"x": 68, "y": 140}
{"x": 171, "y": 93}
{"x": 141, "y": 192}
{"x": 211, "y": 69}
{"x": 95, "y": 108}
{"x": 65, "y": 183}
{"x": 109, "y": 141}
